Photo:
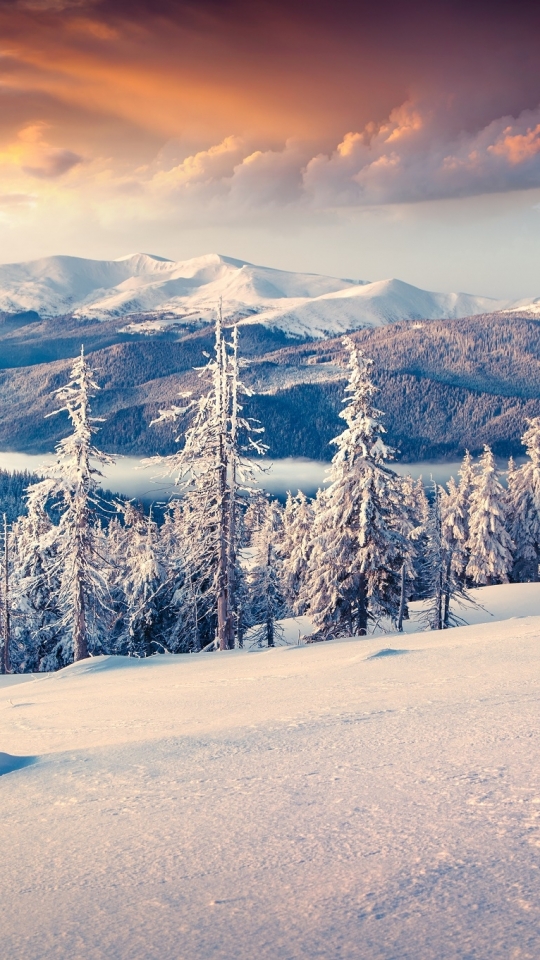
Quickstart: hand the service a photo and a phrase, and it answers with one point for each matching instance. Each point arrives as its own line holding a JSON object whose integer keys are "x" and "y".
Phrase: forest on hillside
{"x": 227, "y": 563}
{"x": 445, "y": 386}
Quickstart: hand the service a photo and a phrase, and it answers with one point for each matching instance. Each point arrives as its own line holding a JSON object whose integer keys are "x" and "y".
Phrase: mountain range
{"x": 153, "y": 293}
{"x": 446, "y": 381}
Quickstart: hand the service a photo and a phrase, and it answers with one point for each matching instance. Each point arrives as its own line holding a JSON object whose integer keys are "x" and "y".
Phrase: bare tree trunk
{"x": 80, "y": 638}
{"x": 439, "y": 603}
{"x": 240, "y": 626}
{"x": 233, "y": 480}
{"x": 362, "y": 608}
{"x": 401, "y": 600}
{"x": 269, "y": 611}
{"x": 225, "y": 627}
{"x": 6, "y": 660}
{"x": 231, "y": 558}
{"x": 446, "y": 615}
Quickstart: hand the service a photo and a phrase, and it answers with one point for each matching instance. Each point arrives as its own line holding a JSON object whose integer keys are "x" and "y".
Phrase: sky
{"x": 358, "y": 139}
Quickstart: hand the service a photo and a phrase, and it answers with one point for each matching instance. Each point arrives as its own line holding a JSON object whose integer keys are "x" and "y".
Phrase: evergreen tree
{"x": 445, "y": 586}
{"x": 143, "y": 580}
{"x": 412, "y": 514}
{"x": 211, "y": 470}
{"x": 358, "y": 547}
{"x": 78, "y": 565}
{"x": 454, "y": 520}
{"x": 523, "y": 507}
{"x": 267, "y": 602}
{"x": 295, "y": 548}
{"x": 41, "y": 641}
{"x": 489, "y": 545}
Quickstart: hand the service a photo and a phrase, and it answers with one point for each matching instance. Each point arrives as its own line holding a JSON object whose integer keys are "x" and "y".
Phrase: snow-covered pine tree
{"x": 444, "y": 584}
{"x": 412, "y": 512}
{"x": 490, "y": 545}
{"x": 80, "y": 568}
{"x": 455, "y": 523}
{"x": 183, "y": 603}
{"x": 456, "y": 505}
{"x": 358, "y": 548}
{"x": 40, "y": 641}
{"x": 210, "y": 469}
{"x": 295, "y": 547}
{"x": 143, "y": 583}
{"x": 6, "y": 567}
{"x": 523, "y": 507}
{"x": 266, "y": 595}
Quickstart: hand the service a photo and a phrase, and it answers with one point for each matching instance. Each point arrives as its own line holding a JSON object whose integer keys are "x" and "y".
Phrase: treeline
{"x": 228, "y": 563}
{"x": 13, "y": 488}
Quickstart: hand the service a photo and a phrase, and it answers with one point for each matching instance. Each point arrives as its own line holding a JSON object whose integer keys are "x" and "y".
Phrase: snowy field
{"x": 375, "y": 798}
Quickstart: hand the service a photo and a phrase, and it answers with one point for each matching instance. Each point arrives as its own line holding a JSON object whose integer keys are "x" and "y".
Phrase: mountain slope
{"x": 143, "y": 286}
{"x": 443, "y": 386}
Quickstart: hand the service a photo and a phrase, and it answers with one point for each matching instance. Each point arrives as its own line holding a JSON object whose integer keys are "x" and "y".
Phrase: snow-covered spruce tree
{"x": 455, "y": 509}
{"x": 523, "y": 507}
{"x": 266, "y": 595}
{"x": 445, "y": 587}
{"x": 211, "y": 469}
{"x": 182, "y": 600}
{"x": 40, "y": 641}
{"x": 78, "y": 566}
{"x": 412, "y": 512}
{"x": 358, "y": 547}
{"x": 295, "y": 547}
{"x": 489, "y": 545}
{"x": 143, "y": 582}
{"x": 5, "y": 607}
{"x": 455, "y": 524}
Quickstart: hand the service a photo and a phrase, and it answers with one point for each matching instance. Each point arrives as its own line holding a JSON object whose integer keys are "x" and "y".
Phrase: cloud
{"x": 51, "y": 6}
{"x": 411, "y": 158}
{"x": 408, "y": 158}
{"x": 414, "y": 155}
{"x": 207, "y": 169}
{"x": 36, "y": 157}
{"x": 17, "y": 199}
{"x": 53, "y": 163}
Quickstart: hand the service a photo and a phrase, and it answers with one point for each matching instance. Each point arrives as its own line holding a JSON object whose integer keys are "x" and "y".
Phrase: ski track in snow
{"x": 325, "y": 801}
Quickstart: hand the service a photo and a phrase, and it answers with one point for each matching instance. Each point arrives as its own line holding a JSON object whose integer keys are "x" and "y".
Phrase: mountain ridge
{"x": 143, "y": 287}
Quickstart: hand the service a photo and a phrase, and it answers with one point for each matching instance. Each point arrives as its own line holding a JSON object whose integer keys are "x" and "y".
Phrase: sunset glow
{"x": 150, "y": 119}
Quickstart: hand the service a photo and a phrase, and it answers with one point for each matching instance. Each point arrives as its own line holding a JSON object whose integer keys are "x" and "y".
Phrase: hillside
{"x": 155, "y": 294}
{"x": 444, "y": 385}
{"x": 375, "y": 798}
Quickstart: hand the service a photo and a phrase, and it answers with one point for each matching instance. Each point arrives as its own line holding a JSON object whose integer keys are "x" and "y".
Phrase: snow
{"x": 374, "y": 799}
{"x": 299, "y": 303}
{"x": 505, "y": 601}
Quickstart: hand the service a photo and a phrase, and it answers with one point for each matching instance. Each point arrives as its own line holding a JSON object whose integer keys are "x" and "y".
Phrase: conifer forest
{"x": 222, "y": 563}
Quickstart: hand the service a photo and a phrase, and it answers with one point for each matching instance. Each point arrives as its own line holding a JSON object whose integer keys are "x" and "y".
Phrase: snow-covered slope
{"x": 506, "y": 601}
{"x": 531, "y": 306}
{"x": 306, "y": 304}
{"x": 375, "y": 799}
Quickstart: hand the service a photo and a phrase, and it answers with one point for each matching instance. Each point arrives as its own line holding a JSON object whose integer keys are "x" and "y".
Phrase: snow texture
{"x": 374, "y": 799}
{"x": 302, "y": 304}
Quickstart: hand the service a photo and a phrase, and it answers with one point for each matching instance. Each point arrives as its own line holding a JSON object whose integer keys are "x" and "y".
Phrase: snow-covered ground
{"x": 299, "y": 303}
{"x": 490, "y": 604}
{"x": 373, "y": 799}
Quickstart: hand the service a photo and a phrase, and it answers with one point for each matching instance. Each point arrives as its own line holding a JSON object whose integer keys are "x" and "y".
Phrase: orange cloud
{"x": 518, "y": 147}
{"x": 35, "y": 156}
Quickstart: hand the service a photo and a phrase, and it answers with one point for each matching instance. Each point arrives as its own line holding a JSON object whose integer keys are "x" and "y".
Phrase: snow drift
{"x": 323, "y": 801}
{"x": 299, "y": 303}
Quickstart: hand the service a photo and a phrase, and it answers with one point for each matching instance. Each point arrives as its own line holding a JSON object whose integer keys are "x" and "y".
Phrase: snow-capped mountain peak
{"x": 304, "y": 304}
